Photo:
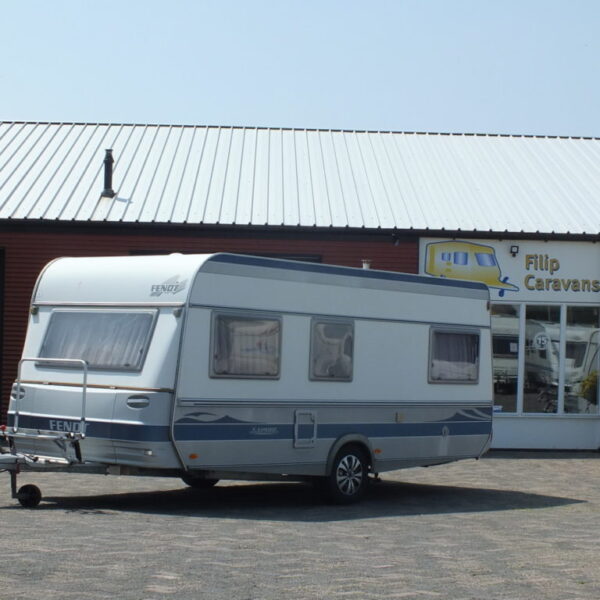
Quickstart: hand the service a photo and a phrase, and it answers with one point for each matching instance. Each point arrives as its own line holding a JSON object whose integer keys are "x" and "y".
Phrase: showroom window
{"x": 581, "y": 360}
{"x": 545, "y": 358}
{"x": 505, "y": 355}
{"x": 542, "y": 358}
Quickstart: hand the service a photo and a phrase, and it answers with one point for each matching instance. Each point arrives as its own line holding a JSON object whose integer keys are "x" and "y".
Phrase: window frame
{"x": 335, "y": 321}
{"x": 455, "y": 330}
{"x": 153, "y": 312}
{"x": 248, "y": 315}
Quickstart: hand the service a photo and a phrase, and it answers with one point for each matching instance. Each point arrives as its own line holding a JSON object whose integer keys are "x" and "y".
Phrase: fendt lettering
{"x": 69, "y": 426}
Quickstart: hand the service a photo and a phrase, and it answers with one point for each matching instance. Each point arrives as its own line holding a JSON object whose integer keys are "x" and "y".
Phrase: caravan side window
{"x": 331, "y": 350}
{"x": 245, "y": 346}
{"x": 453, "y": 356}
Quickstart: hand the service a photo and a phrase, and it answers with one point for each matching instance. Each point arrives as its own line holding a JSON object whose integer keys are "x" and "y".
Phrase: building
{"x": 517, "y": 212}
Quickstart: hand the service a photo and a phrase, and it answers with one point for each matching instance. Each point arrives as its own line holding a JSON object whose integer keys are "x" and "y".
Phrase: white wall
{"x": 546, "y": 432}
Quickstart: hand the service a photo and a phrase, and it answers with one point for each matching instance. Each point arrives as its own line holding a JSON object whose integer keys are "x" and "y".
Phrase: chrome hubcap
{"x": 349, "y": 475}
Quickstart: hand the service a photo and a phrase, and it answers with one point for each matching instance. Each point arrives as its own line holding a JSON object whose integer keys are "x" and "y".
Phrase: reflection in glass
{"x": 581, "y": 354}
{"x": 542, "y": 358}
{"x": 505, "y": 348}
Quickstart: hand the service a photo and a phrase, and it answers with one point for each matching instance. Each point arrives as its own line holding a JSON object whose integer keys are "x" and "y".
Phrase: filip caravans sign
{"x": 523, "y": 270}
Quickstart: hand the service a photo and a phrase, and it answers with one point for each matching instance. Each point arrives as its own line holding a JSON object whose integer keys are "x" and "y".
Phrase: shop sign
{"x": 521, "y": 270}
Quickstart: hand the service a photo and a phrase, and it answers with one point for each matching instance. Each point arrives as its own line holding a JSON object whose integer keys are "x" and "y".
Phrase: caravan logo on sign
{"x": 170, "y": 286}
{"x": 466, "y": 260}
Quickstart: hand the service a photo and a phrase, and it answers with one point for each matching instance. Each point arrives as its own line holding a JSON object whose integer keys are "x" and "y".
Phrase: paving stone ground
{"x": 510, "y": 526}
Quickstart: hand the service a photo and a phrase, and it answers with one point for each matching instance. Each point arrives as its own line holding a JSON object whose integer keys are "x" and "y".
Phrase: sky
{"x": 466, "y": 66}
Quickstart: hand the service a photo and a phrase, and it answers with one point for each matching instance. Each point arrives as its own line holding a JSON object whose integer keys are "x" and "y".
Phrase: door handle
{"x": 138, "y": 401}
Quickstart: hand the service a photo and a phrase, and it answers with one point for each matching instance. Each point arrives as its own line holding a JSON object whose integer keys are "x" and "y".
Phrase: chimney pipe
{"x": 366, "y": 263}
{"x": 108, "y": 192}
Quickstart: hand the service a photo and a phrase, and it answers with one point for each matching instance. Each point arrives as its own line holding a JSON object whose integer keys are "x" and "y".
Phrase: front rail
{"x": 30, "y": 495}
{"x": 23, "y": 462}
{"x": 17, "y": 397}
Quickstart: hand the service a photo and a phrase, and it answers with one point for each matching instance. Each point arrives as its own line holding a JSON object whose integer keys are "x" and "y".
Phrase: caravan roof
{"x": 168, "y": 279}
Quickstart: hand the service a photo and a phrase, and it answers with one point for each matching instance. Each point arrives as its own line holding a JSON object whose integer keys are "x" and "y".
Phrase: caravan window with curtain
{"x": 331, "y": 350}
{"x": 454, "y": 356}
{"x": 246, "y": 346}
{"x": 105, "y": 339}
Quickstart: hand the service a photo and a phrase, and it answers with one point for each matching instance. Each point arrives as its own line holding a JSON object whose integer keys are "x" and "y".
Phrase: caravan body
{"x": 217, "y": 366}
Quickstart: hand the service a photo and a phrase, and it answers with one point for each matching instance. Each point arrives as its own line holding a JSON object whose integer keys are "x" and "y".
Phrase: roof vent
{"x": 108, "y": 192}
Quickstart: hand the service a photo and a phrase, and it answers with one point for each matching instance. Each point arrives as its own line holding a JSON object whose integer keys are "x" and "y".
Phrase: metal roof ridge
{"x": 306, "y": 129}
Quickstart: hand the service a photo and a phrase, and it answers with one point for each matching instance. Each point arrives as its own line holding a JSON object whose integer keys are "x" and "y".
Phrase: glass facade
{"x": 505, "y": 352}
{"x": 545, "y": 358}
{"x": 581, "y": 358}
{"x": 542, "y": 358}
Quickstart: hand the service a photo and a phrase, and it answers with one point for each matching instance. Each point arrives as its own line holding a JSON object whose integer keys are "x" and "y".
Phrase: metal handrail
{"x": 73, "y": 361}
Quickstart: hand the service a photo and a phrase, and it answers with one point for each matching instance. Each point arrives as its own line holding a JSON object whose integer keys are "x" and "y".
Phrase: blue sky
{"x": 502, "y": 66}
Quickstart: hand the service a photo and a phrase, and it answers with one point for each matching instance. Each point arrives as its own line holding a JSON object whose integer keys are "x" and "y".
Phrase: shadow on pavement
{"x": 300, "y": 502}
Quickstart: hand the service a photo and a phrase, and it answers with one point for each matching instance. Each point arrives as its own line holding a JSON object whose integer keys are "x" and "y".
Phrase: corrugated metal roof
{"x": 296, "y": 177}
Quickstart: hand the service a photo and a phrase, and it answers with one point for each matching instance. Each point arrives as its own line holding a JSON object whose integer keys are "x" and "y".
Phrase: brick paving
{"x": 509, "y": 526}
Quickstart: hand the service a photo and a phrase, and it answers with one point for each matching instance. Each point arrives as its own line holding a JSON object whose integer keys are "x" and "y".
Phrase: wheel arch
{"x": 354, "y": 439}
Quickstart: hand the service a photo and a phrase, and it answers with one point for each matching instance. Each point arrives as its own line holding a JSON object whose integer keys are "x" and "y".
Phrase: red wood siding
{"x": 26, "y": 253}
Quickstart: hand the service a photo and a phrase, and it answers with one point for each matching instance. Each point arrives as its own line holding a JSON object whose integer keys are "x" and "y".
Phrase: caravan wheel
{"x": 29, "y": 495}
{"x": 349, "y": 477}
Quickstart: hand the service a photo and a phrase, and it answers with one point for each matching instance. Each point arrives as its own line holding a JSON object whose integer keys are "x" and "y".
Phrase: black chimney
{"x": 108, "y": 192}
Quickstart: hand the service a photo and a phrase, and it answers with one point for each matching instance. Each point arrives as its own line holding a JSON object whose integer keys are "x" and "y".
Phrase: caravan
{"x": 223, "y": 366}
{"x": 543, "y": 365}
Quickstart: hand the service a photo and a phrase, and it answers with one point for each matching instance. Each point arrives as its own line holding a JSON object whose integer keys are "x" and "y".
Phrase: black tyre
{"x": 349, "y": 477}
{"x": 198, "y": 483}
{"x": 29, "y": 496}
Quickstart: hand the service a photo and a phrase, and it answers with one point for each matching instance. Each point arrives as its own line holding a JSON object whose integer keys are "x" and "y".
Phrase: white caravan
{"x": 219, "y": 366}
{"x": 542, "y": 364}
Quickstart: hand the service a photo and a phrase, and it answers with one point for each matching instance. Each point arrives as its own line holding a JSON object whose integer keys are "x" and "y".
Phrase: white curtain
{"x": 246, "y": 346}
{"x": 454, "y": 356}
{"x": 107, "y": 340}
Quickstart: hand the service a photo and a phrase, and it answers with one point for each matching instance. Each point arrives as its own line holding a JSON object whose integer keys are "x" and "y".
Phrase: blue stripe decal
{"x": 483, "y": 413}
{"x": 243, "y": 431}
{"x": 346, "y": 271}
{"x": 230, "y": 432}
{"x": 477, "y": 414}
{"x": 96, "y": 429}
